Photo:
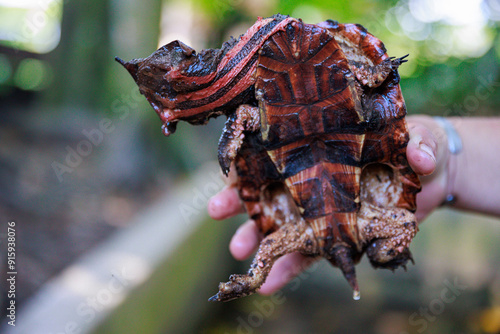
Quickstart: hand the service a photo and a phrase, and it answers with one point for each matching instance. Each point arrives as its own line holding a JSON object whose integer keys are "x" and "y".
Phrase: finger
{"x": 225, "y": 204}
{"x": 428, "y": 199}
{"x": 421, "y": 150}
{"x": 245, "y": 241}
{"x": 285, "y": 268}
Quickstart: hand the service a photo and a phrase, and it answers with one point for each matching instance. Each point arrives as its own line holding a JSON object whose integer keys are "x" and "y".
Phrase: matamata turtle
{"x": 316, "y": 131}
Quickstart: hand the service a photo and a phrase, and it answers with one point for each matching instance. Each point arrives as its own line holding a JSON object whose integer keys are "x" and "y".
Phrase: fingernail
{"x": 239, "y": 230}
{"x": 214, "y": 202}
{"x": 425, "y": 148}
{"x": 415, "y": 140}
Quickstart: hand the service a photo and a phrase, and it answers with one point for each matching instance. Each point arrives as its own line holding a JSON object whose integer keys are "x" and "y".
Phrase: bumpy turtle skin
{"x": 316, "y": 132}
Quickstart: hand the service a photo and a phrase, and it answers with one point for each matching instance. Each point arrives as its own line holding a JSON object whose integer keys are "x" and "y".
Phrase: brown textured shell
{"x": 319, "y": 149}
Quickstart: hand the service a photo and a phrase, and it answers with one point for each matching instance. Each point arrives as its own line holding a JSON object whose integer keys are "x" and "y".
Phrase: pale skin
{"x": 473, "y": 176}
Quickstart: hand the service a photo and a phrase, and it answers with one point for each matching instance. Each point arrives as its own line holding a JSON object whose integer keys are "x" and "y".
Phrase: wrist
{"x": 454, "y": 148}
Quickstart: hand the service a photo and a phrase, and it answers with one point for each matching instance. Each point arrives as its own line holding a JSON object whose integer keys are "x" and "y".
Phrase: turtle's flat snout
{"x": 131, "y": 66}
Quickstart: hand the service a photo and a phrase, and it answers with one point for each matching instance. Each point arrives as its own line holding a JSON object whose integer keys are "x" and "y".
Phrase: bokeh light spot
{"x": 32, "y": 74}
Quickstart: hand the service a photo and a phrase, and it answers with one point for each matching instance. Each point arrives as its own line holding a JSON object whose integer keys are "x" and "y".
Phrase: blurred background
{"x": 88, "y": 177}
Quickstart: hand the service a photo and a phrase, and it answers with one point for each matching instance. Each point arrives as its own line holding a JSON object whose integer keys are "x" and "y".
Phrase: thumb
{"x": 421, "y": 150}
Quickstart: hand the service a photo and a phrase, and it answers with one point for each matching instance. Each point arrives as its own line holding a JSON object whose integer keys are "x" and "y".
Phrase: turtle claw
{"x": 214, "y": 298}
{"x": 220, "y": 297}
{"x": 396, "y": 62}
{"x": 410, "y": 257}
{"x": 225, "y": 164}
{"x": 226, "y": 151}
{"x": 245, "y": 118}
{"x": 238, "y": 286}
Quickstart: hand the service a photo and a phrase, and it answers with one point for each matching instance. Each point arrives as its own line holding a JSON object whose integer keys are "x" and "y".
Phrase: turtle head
{"x": 161, "y": 79}
{"x": 164, "y": 67}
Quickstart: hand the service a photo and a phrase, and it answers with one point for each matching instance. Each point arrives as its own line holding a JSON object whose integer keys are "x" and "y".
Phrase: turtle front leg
{"x": 287, "y": 239}
{"x": 374, "y": 76}
{"x": 245, "y": 118}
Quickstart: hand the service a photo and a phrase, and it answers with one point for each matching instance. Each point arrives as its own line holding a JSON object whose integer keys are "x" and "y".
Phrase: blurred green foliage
{"x": 447, "y": 74}
{"x": 453, "y": 67}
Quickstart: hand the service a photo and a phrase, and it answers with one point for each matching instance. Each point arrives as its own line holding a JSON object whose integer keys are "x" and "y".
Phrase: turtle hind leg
{"x": 287, "y": 239}
{"x": 387, "y": 233}
{"x": 386, "y": 222}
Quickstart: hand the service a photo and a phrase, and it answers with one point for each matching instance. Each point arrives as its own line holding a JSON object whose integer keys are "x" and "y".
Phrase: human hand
{"x": 426, "y": 152}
